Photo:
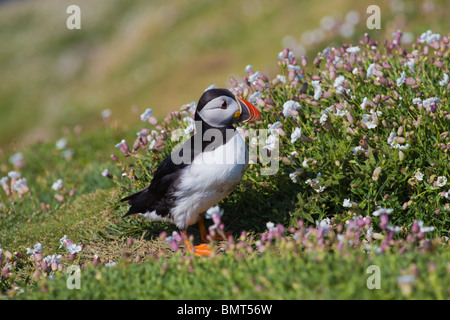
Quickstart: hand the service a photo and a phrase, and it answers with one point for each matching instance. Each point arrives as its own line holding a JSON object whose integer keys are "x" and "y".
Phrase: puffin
{"x": 202, "y": 171}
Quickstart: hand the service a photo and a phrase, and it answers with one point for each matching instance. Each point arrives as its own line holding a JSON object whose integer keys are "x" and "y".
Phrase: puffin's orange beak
{"x": 248, "y": 111}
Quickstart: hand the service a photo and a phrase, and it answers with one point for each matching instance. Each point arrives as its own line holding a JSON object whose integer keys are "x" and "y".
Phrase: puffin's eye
{"x": 224, "y": 105}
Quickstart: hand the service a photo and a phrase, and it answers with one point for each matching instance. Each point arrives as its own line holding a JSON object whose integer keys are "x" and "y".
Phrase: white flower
{"x": 61, "y": 144}
{"x": 20, "y": 185}
{"x": 190, "y": 125}
{"x": 254, "y": 77}
{"x": 317, "y": 89}
{"x": 382, "y": 211}
{"x": 323, "y": 118}
{"x": 401, "y": 79}
{"x": 394, "y": 145}
{"x": 57, "y": 185}
{"x": 314, "y": 183}
{"x": 430, "y": 101}
{"x": 394, "y": 229}
{"x": 73, "y": 248}
{"x": 410, "y": 64}
{"x": 147, "y": 113}
{"x": 248, "y": 68}
{"x": 120, "y": 144}
{"x": 429, "y": 37}
{"x": 281, "y": 78}
{"x": 444, "y": 81}
{"x": 53, "y": 258}
{"x": 358, "y": 148}
{"x": 4, "y": 180}
{"x": 106, "y": 113}
{"x": 339, "y": 81}
{"x": 441, "y": 181}
{"x": 253, "y": 97}
{"x": 296, "y": 134}
{"x": 290, "y": 105}
{"x": 36, "y": 249}
{"x": 324, "y": 224}
{"x": 419, "y": 175}
{"x": 110, "y": 264}
{"x": 271, "y": 142}
{"x": 14, "y": 174}
{"x": 273, "y": 127}
{"x": 105, "y": 172}
{"x": 363, "y": 104}
{"x": 417, "y": 101}
{"x": 353, "y": 50}
{"x": 293, "y": 176}
{"x": 270, "y": 225}
{"x": 212, "y": 211}
{"x": 424, "y": 229}
{"x": 370, "y": 70}
{"x": 368, "y": 121}
{"x": 347, "y": 203}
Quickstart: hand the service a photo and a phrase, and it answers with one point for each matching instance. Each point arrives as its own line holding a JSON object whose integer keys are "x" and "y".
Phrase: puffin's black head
{"x": 221, "y": 108}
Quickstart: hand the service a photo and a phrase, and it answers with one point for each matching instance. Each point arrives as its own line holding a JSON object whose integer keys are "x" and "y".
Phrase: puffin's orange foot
{"x": 202, "y": 250}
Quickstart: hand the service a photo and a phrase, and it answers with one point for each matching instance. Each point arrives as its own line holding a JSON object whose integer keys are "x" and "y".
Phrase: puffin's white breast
{"x": 210, "y": 178}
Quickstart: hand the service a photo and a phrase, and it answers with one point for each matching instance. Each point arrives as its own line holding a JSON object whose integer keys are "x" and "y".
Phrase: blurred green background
{"x": 132, "y": 55}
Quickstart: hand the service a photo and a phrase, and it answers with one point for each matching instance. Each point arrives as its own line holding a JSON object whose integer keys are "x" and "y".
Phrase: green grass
{"x": 271, "y": 275}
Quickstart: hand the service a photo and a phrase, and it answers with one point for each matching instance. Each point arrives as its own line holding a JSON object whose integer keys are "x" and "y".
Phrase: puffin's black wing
{"x": 158, "y": 196}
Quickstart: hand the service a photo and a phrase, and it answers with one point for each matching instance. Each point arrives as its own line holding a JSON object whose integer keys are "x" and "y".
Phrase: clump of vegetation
{"x": 362, "y": 140}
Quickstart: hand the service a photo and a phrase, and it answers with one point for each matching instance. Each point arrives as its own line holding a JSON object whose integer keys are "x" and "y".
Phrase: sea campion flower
{"x": 364, "y": 103}
{"x": 36, "y": 249}
{"x": 347, "y": 203}
{"x": 14, "y": 174}
{"x": 424, "y": 229}
{"x": 391, "y": 142}
{"x": 370, "y": 70}
{"x": 290, "y": 107}
{"x": 338, "y": 82}
{"x": 419, "y": 176}
{"x": 323, "y": 118}
{"x": 429, "y": 37}
{"x": 123, "y": 146}
{"x": 444, "y": 81}
{"x": 324, "y": 224}
{"x": 381, "y": 212}
{"x": 441, "y": 181}
{"x": 353, "y": 50}
{"x": 61, "y": 144}
{"x": 106, "y": 173}
{"x": 17, "y": 160}
{"x": 369, "y": 121}
{"x": 70, "y": 246}
{"x": 146, "y": 115}
{"x": 213, "y": 211}
{"x": 106, "y": 114}
{"x": 270, "y": 225}
{"x": 317, "y": 89}
{"x": 296, "y": 134}
{"x": 315, "y": 184}
{"x": 57, "y": 185}
{"x": 21, "y": 186}
{"x": 401, "y": 80}
{"x": 190, "y": 125}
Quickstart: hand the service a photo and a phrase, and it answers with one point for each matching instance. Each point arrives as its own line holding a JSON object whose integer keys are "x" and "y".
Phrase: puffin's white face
{"x": 221, "y": 111}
